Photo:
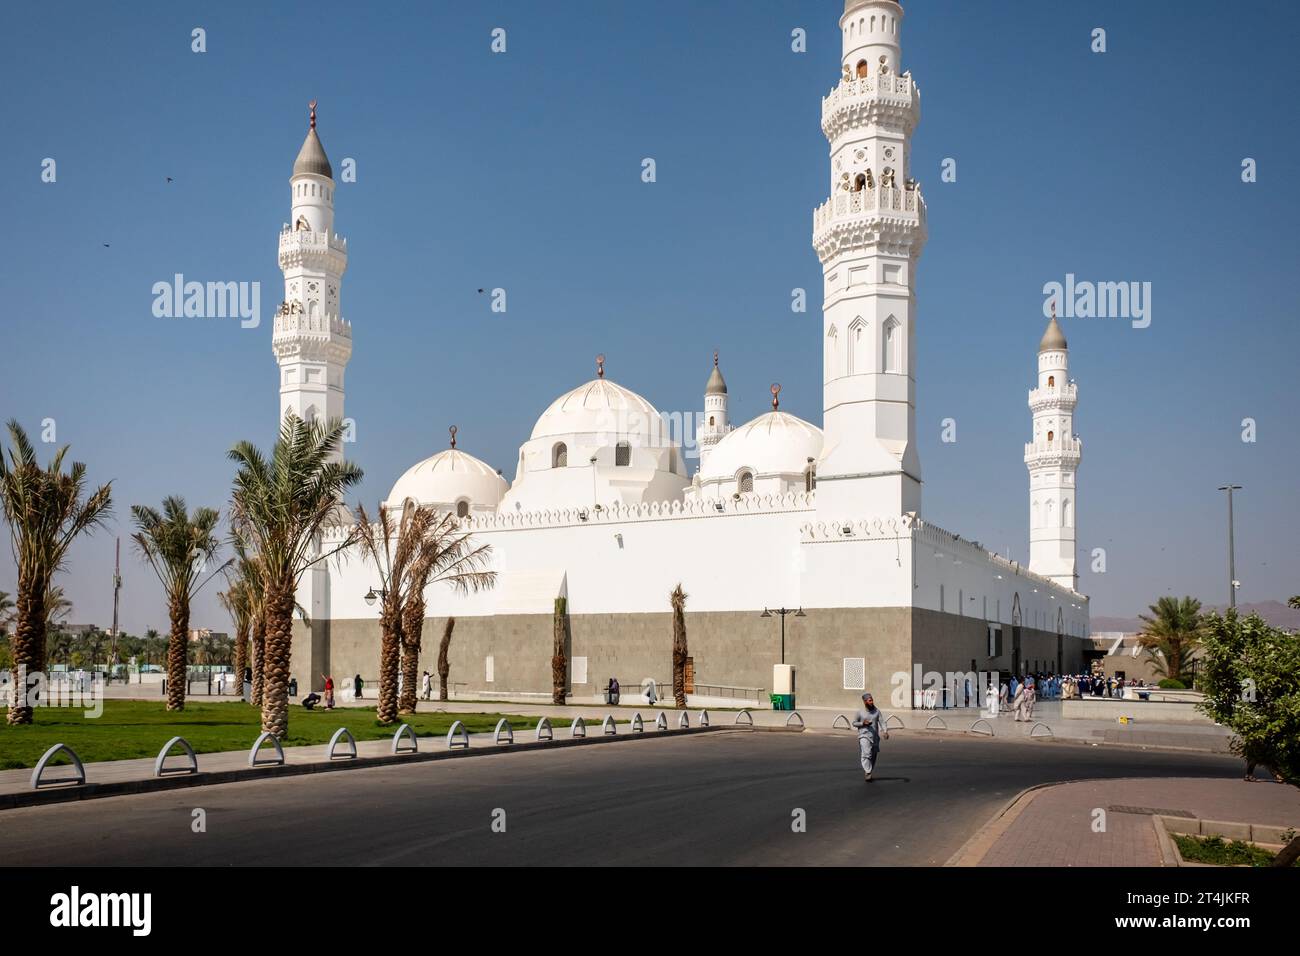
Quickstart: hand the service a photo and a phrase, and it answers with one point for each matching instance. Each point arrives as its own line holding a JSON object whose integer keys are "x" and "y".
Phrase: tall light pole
{"x": 783, "y": 611}
{"x": 1232, "y": 551}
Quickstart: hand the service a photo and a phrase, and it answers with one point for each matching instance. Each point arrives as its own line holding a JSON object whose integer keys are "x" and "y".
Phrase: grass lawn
{"x": 135, "y": 728}
{"x": 1215, "y": 850}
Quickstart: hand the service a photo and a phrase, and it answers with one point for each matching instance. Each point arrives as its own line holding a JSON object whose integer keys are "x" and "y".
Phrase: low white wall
{"x": 1142, "y": 711}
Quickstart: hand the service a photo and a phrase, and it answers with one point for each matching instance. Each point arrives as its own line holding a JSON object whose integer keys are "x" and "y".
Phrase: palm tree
{"x": 46, "y": 510}
{"x": 447, "y": 556}
{"x": 559, "y": 664}
{"x": 1170, "y": 633}
{"x": 281, "y": 506}
{"x": 178, "y": 546}
{"x": 393, "y": 547}
{"x": 151, "y": 640}
{"x": 444, "y": 662}
{"x": 678, "y": 601}
{"x": 6, "y": 611}
{"x": 239, "y": 600}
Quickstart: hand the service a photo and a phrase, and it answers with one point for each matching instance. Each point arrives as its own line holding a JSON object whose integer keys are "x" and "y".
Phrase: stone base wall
{"x": 729, "y": 648}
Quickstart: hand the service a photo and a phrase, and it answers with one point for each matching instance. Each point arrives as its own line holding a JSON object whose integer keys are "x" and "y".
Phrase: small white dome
{"x": 773, "y": 444}
{"x": 600, "y": 407}
{"x": 449, "y": 477}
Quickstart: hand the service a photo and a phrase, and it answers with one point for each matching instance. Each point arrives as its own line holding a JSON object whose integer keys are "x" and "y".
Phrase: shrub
{"x": 1170, "y": 684}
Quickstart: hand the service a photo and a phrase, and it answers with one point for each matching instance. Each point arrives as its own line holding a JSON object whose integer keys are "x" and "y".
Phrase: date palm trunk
{"x": 27, "y": 644}
{"x": 390, "y": 622}
{"x": 259, "y": 658}
{"x": 678, "y": 600}
{"x": 179, "y": 612}
{"x": 412, "y": 629}
{"x": 241, "y": 659}
{"x": 444, "y": 665}
{"x": 559, "y": 664}
{"x": 275, "y": 658}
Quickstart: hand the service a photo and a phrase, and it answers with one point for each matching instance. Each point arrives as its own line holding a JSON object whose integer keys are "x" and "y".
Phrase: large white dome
{"x": 777, "y": 443}
{"x": 447, "y": 478}
{"x": 600, "y": 407}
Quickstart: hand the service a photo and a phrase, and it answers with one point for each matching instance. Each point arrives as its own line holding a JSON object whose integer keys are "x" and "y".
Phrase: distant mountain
{"x": 1275, "y": 612}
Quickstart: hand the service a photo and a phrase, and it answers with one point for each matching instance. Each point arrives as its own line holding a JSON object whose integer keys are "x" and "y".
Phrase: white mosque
{"x": 601, "y": 509}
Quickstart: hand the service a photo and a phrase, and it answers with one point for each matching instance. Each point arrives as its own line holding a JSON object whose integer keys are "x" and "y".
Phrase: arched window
{"x": 857, "y": 348}
{"x": 890, "y": 346}
{"x": 859, "y": 182}
{"x": 710, "y": 421}
{"x": 462, "y": 508}
{"x": 832, "y": 353}
{"x": 809, "y": 478}
{"x": 1050, "y": 436}
{"x": 622, "y": 454}
{"x": 1051, "y": 381}
{"x": 1034, "y": 515}
{"x": 560, "y": 455}
{"x": 1067, "y": 514}
{"x": 863, "y": 70}
{"x": 745, "y": 482}
{"x": 1049, "y": 513}
{"x": 301, "y": 225}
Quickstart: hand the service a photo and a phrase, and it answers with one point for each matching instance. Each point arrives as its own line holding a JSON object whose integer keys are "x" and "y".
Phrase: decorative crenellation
{"x": 926, "y": 533}
{"x": 1064, "y": 397}
{"x": 642, "y": 511}
{"x": 877, "y": 528}
{"x": 889, "y": 221}
{"x": 882, "y": 100}
{"x": 328, "y": 251}
{"x": 1058, "y": 451}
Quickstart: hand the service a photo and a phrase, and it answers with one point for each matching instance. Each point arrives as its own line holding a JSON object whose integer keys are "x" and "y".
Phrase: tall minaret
{"x": 869, "y": 235}
{"x": 715, "y": 412}
{"x": 312, "y": 343}
{"x": 1053, "y": 460}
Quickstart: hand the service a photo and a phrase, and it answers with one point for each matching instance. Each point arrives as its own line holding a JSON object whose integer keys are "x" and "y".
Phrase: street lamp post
{"x": 783, "y": 611}
{"x": 373, "y": 595}
{"x": 1232, "y": 549}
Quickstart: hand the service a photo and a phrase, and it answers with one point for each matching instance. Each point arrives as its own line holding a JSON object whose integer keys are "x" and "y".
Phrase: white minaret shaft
{"x": 869, "y": 235}
{"x": 1053, "y": 461}
{"x": 311, "y": 341}
{"x": 714, "y": 426}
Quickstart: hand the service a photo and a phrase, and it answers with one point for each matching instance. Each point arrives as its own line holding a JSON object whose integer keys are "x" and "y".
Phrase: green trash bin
{"x": 783, "y": 701}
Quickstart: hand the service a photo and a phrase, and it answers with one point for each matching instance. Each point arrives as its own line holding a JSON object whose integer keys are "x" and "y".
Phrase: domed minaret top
{"x": 851, "y": 5}
{"x": 1054, "y": 338}
{"x": 716, "y": 384}
{"x": 312, "y": 158}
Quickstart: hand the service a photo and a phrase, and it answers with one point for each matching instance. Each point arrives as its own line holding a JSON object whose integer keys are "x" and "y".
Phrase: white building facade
{"x": 602, "y": 512}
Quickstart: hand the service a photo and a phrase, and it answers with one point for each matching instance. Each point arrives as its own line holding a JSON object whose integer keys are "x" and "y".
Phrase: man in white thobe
{"x": 871, "y": 726}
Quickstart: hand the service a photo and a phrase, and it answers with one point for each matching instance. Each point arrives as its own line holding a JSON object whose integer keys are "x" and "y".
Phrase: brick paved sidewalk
{"x": 1053, "y": 826}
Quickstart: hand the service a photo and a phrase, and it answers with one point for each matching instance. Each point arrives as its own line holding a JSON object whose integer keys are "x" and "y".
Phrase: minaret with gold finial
{"x": 1053, "y": 461}
{"x": 713, "y": 426}
{"x": 311, "y": 340}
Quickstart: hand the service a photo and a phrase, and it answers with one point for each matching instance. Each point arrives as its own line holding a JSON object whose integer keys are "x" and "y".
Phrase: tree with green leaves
{"x": 1170, "y": 634}
{"x": 281, "y": 506}
{"x": 1251, "y": 680}
{"x": 447, "y": 556}
{"x": 178, "y": 546}
{"x": 46, "y": 510}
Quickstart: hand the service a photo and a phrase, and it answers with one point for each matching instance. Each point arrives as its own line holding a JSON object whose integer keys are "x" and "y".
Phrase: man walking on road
{"x": 871, "y": 725}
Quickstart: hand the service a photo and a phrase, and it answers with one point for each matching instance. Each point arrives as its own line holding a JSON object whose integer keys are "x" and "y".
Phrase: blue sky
{"x": 522, "y": 170}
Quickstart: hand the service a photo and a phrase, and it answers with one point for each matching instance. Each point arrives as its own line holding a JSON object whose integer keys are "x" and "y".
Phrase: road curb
{"x": 973, "y": 851}
{"x": 94, "y": 791}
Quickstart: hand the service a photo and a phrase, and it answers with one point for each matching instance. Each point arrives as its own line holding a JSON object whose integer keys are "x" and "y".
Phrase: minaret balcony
{"x": 1061, "y": 452}
{"x": 872, "y": 215}
{"x": 1064, "y": 397}
{"x": 887, "y": 99}
{"x": 301, "y": 246}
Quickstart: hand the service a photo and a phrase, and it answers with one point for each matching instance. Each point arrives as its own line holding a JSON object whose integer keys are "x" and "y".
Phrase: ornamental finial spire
{"x": 452, "y": 429}
{"x": 715, "y": 358}
{"x": 600, "y": 365}
{"x": 776, "y": 396}
{"x": 312, "y": 106}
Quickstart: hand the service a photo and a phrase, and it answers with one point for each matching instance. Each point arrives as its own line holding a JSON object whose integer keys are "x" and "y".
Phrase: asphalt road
{"x": 722, "y": 798}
